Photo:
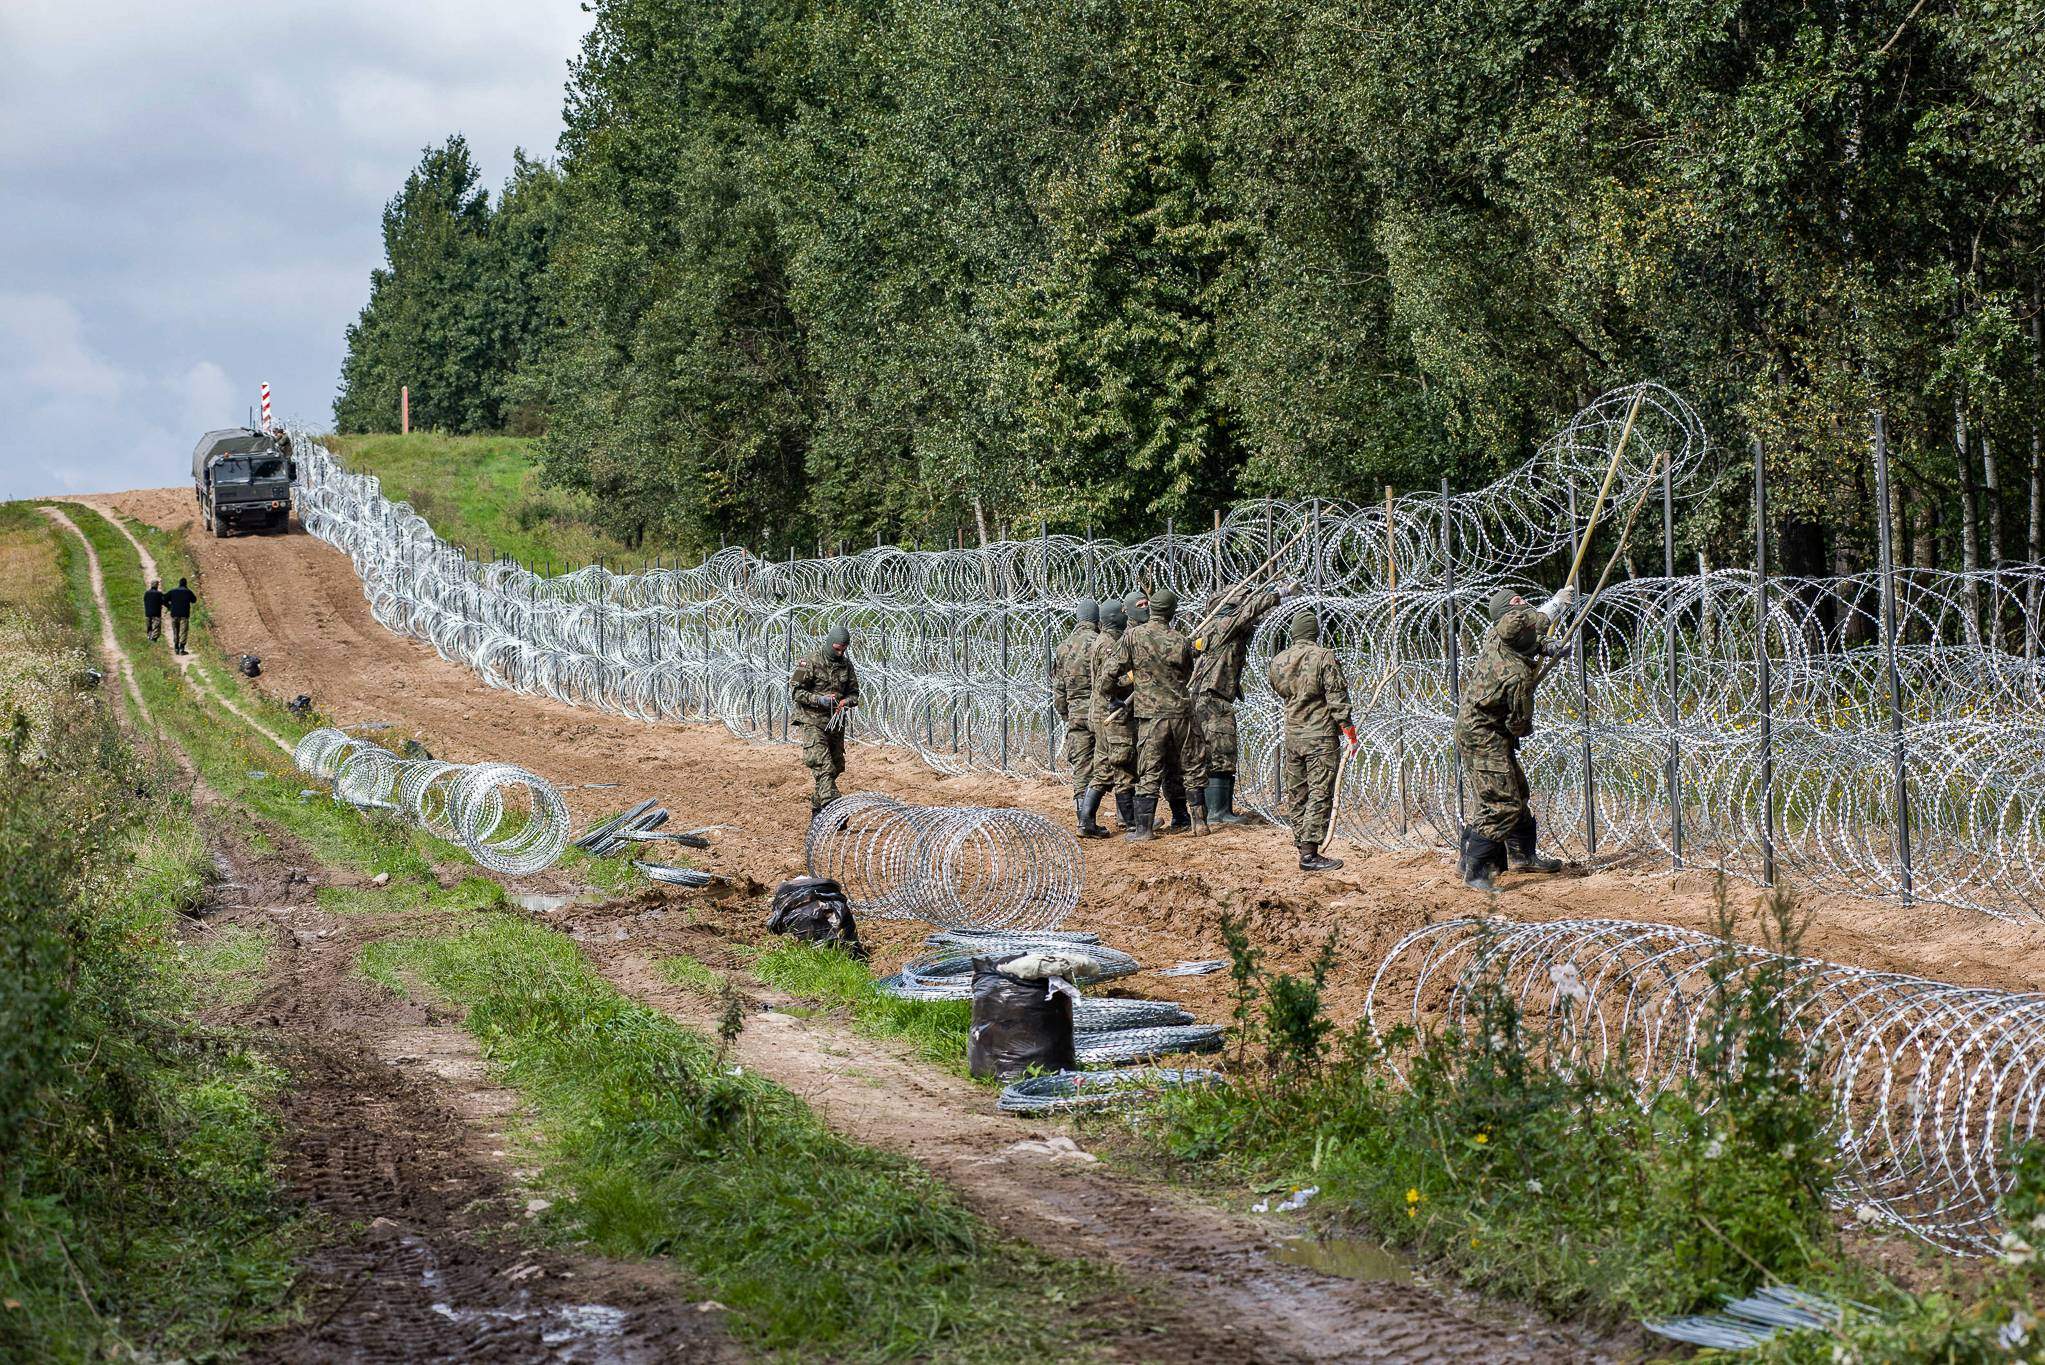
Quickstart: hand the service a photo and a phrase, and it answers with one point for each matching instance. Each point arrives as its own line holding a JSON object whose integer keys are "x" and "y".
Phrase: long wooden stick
{"x": 1605, "y": 488}
{"x": 1244, "y": 582}
{"x": 1583, "y": 612}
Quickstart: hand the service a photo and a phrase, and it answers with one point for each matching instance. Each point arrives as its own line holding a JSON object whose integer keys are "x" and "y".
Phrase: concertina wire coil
{"x": 953, "y": 648}
{"x": 1933, "y": 1087}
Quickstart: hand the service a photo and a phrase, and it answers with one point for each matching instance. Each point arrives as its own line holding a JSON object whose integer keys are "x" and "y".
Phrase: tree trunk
{"x": 1970, "y": 515}
{"x": 2035, "y": 530}
{"x": 1991, "y": 487}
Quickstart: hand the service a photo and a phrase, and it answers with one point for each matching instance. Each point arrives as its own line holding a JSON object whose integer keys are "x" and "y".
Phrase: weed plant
{"x": 661, "y": 1146}
{"x": 937, "y": 1029}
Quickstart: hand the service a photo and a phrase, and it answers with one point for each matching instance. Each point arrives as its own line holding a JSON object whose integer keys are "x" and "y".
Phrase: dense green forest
{"x": 832, "y": 269}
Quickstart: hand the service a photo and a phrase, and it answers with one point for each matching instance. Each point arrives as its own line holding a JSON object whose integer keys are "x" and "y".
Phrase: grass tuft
{"x": 938, "y": 1029}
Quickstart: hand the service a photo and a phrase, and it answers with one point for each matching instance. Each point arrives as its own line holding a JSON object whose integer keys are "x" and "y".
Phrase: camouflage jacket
{"x": 1072, "y": 676}
{"x": 1108, "y": 691}
{"x": 1219, "y": 668}
{"x": 1308, "y": 678}
{"x": 1157, "y": 662}
{"x": 819, "y": 674}
{"x": 1497, "y": 708}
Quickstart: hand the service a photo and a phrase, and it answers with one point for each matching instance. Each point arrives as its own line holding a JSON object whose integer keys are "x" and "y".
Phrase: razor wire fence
{"x": 1729, "y": 719}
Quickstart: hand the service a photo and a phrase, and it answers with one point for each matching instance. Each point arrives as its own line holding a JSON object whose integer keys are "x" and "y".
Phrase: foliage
{"x": 1489, "y": 1153}
{"x": 937, "y": 1029}
{"x": 814, "y": 271}
{"x": 137, "y": 1207}
{"x": 660, "y": 1148}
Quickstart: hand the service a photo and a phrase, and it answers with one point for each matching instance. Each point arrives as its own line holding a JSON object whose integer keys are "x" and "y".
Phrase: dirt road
{"x": 297, "y": 603}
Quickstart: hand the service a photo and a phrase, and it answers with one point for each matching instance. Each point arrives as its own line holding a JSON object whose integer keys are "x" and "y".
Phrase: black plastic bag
{"x": 815, "y": 910}
{"x": 1017, "y": 1024}
{"x": 251, "y": 666}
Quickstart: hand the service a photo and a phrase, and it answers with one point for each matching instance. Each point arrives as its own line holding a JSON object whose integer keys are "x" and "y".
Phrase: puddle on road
{"x": 547, "y": 905}
{"x": 1352, "y": 1258}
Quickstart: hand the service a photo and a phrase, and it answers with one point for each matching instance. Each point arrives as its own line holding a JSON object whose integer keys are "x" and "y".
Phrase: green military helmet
{"x": 1087, "y": 611}
{"x": 1164, "y": 604}
{"x": 1303, "y": 627}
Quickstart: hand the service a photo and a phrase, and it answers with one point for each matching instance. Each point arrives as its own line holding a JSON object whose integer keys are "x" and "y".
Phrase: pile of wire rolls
{"x": 509, "y": 820}
{"x": 1647, "y": 745}
{"x": 1934, "y": 1086}
{"x": 958, "y": 867}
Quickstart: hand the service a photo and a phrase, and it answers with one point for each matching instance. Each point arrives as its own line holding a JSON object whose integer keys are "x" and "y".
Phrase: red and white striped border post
{"x": 266, "y": 405}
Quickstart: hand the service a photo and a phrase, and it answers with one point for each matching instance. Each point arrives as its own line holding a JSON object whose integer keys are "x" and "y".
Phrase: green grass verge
{"x": 692, "y": 975}
{"x": 485, "y": 492}
{"x": 819, "y": 1247}
{"x": 937, "y": 1029}
{"x": 139, "y": 1213}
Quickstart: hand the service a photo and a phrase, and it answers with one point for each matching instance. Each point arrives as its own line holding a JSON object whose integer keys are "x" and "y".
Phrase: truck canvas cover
{"x": 232, "y": 441}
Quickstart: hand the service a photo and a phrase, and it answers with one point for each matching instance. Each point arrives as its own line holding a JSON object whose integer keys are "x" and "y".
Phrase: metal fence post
{"x": 1583, "y": 704}
{"x": 1883, "y": 513}
{"x": 1669, "y": 663}
{"x": 1001, "y": 662}
{"x": 1452, "y": 640}
{"x": 1761, "y": 665}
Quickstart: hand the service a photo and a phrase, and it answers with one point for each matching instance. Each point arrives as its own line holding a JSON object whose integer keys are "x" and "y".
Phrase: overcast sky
{"x": 190, "y": 200}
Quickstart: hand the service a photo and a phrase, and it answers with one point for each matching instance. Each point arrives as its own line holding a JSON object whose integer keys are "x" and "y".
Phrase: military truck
{"x": 243, "y": 478}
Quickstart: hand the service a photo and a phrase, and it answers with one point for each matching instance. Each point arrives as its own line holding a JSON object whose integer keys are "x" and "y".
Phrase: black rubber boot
{"x": 1483, "y": 859}
{"x": 1089, "y": 803}
{"x": 1146, "y": 817}
{"x": 1310, "y": 859}
{"x": 1175, "y": 798}
{"x": 1221, "y": 800}
{"x": 1519, "y": 850}
{"x": 1125, "y": 809}
{"x": 1197, "y": 811}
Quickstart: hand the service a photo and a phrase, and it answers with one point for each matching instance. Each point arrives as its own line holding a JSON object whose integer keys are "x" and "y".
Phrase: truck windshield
{"x": 231, "y": 471}
{"x": 268, "y": 467}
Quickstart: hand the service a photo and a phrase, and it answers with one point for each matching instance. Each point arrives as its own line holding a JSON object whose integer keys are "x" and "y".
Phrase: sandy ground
{"x": 297, "y": 603}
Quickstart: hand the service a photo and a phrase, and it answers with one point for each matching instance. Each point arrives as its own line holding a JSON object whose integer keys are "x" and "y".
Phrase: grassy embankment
{"x": 138, "y": 1211}
{"x": 485, "y": 492}
{"x": 648, "y": 1145}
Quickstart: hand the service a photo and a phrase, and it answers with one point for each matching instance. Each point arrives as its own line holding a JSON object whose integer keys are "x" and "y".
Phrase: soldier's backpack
{"x": 815, "y": 910}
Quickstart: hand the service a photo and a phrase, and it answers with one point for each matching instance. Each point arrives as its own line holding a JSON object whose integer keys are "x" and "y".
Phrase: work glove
{"x": 1558, "y": 649}
{"x": 1558, "y": 605}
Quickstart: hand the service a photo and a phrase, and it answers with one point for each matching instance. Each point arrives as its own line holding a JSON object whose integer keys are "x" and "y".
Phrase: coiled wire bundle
{"x": 509, "y": 820}
{"x": 1934, "y": 1087}
{"x": 961, "y": 867}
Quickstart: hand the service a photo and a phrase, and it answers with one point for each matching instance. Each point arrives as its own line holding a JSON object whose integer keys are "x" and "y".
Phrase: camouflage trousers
{"x": 823, "y": 753}
{"x": 1498, "y": 791}
{"x": 1079, "y": 756}
{"x": 1161, "y": 753}
{"x": 1211, "y": 741}
{"x": 1310, "y": 765}
{"x": 1114, "y": 761}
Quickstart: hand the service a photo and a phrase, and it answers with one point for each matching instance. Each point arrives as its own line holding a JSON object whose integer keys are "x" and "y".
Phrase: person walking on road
{"x": 1114, "y": 729}
{"x": 1495, "y": 714}
{"x": 1156, "y": 662}
{"x": 152, "y": 609}
{"x": 1072, "y": 701}
{"x": 1219, "y": 652}
{"x": 1307, "y": 677}
{"x": 824, "y": 688}
{"x": 179, "y": 602}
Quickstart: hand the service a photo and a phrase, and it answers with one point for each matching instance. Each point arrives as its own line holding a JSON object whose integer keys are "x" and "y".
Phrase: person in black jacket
{"x": 152, "y": 608}
{"x": 179, "y": 602}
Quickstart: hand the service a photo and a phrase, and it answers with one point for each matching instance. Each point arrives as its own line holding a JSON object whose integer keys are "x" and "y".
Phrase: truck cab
{"x": 243, "y": 480}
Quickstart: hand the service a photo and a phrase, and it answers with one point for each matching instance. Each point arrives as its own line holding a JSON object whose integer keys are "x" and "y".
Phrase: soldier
{"x": 179, "y": 602}
{"x": 152, "y": 609}
{"x": 1496, "y": 713}
{"x": 1072, "y": 700}
{"x": 1217, "y": 682}
{"x": 1156, "y": 662}
{"x": 824, "y": 687}
{"x": 1114, "y": 729}
{"x": 1308, "y": 678}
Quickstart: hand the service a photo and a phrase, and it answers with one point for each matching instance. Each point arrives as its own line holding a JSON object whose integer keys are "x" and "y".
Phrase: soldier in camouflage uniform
{"x": 1072, "y": 700}
{"x": 1156, "y": 662}
{"x": 1307, "y": 677}
{"x": 1496, "y": 713}
{"x": 824, "y": 687}
{"x": 1217, "y": 683}
{"x": 1114, "y": 728}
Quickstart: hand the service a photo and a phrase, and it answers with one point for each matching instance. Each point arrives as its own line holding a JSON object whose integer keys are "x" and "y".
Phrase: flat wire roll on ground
{"x": 958, "y": 867}
{"x": 1934, "y": 1088}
